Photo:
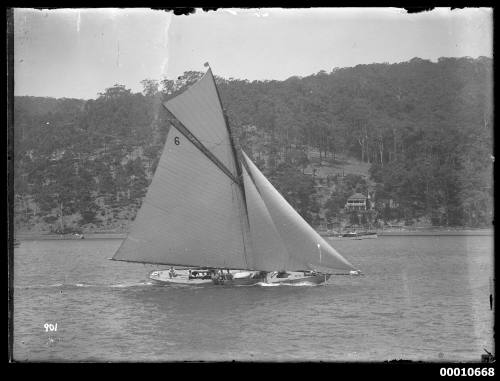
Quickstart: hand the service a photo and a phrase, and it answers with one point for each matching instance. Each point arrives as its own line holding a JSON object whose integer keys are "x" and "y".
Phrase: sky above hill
{"x": 78, "y": 53}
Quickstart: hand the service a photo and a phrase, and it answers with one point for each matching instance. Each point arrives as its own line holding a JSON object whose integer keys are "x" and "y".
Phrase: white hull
{"x": 182, "y": 277}
{"x": 297, "y": 277}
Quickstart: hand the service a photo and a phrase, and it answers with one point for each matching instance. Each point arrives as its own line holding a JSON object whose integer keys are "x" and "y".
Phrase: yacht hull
{"x": 296, "y": 277}
{"x": 182, "y": 278}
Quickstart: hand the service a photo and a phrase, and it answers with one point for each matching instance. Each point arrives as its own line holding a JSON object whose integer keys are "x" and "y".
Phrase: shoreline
{"x": 42, "y": 236}
{"x": 464, "y": 232}
{"x": 431, "y": 232}
{"x": 420, "y": 232}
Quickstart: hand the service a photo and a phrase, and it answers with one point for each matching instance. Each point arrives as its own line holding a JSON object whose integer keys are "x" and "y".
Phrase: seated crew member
{"x": 172, "y": 273}
{"x": 282, "y": 274}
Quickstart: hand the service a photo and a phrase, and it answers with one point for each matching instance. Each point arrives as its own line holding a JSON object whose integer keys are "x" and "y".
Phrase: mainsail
{"x": 192, "y": 212}
{"x": 206, "y": 209}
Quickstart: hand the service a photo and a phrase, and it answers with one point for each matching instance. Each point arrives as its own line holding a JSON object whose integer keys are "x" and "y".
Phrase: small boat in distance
{"x": 367, "y": 235}
{"x": 360, "y": 235}
{"x": 211, "y": 214}
{"x": 350, "y": 235}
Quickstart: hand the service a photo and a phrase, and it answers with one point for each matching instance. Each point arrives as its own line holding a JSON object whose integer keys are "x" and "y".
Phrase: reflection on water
{"x": 422, "y": 298}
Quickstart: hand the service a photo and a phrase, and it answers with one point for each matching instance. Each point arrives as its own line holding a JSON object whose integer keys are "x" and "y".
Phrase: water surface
{"x": 422, "y": 298}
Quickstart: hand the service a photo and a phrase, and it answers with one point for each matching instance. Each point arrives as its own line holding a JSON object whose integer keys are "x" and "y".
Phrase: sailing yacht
{"x": 210, "y": 210}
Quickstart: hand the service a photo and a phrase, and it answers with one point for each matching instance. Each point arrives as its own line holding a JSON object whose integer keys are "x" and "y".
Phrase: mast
{"x": 237, "y": 158}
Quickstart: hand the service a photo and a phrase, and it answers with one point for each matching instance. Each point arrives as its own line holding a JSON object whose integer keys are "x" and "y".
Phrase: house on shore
{"x": 358, "y": 202}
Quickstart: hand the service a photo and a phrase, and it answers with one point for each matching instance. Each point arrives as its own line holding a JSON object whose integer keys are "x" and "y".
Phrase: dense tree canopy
{"x": 425, "y": 128}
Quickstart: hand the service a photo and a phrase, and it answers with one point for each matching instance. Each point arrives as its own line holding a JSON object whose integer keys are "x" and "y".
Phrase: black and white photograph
{"x": 251, "y": 185}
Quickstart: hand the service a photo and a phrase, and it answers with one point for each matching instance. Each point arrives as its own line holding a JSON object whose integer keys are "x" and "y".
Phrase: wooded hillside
{"x": 423, "y": 129}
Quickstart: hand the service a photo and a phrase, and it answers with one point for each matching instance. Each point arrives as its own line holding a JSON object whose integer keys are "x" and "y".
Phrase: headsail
{"x": 305, "y": 247}
{"x": 269, "y": 251}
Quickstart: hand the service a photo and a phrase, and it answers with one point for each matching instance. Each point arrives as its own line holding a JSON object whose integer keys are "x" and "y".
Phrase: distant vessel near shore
{"x": 350, "y": 235}
{"x": 416, "y": 232}
{"x": 443, "y": 232}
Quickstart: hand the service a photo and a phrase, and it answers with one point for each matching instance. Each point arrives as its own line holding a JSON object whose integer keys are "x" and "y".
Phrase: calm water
{"x": 422, "y": 298}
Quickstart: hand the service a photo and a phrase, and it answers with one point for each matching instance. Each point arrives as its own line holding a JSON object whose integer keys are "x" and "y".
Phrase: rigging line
{"x": 179, "y": 126}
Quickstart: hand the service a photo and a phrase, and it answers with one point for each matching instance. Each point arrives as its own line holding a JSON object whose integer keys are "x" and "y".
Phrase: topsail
{"x": 204, "y": 208}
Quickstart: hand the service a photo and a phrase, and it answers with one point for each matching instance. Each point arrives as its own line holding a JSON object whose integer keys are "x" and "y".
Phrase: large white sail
{"x": 268, "y": 248}
{"x": 305, "y": 247}
{"x": 192, "y": 214}
{"x": 199, "y": 109}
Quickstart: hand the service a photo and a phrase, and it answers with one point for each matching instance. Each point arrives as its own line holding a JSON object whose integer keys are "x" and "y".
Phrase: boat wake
{"x": 39, "y": 286}
{"x": 132, "y": 284}
{"x": 264, "y": 284}
{"x": 303, "y": 284}
{"x": 44, "y": 286}
{"x": 85, "y": 285}
{"x": 126, "y": 285}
